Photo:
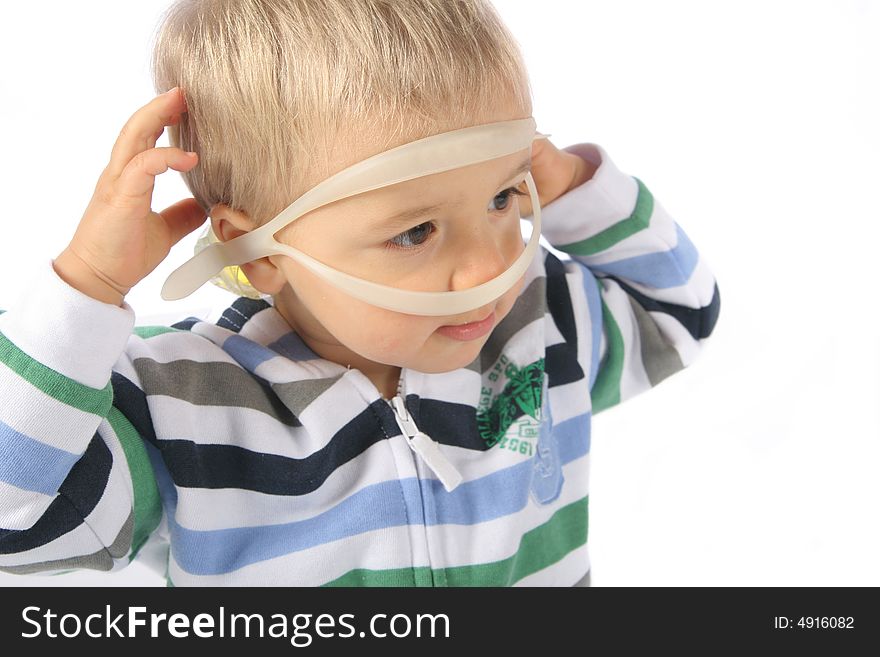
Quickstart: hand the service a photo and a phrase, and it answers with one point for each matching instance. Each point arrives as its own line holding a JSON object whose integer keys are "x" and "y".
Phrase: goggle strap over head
{"x": 423, "y": 157}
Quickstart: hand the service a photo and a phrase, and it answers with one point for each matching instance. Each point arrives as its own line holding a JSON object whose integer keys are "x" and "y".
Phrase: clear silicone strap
{"x": 423, "y": 157}
{"x": 429, "y": 303}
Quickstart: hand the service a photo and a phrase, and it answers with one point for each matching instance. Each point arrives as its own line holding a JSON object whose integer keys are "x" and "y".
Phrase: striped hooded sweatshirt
{"x": 231, "y": 454}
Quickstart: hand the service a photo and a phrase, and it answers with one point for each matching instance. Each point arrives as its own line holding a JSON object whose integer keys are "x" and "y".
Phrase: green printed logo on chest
{"x": 511, "y": 419}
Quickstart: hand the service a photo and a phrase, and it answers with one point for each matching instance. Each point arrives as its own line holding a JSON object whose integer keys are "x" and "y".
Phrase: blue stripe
{"x": 291, "y": 346}
{"x": 32, "y": 465}
{"x": 573, "y": 437}
{"x": 661, "y": 270}
{"x": 374, "y": 507}
{"x": 594, "y": 304}
{"x": 224, "y": 550}
{"x": 506, "y": 491}
{"x": 247, "y": 352}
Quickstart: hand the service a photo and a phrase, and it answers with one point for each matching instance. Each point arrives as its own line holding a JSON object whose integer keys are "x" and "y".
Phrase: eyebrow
{"x": 407, "y": 216}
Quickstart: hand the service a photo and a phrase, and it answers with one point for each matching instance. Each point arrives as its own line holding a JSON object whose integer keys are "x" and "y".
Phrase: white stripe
{"x": 20, "y": 509}
{"x": 659, "y": 237}
{"x": 570, "y": 400}
{"x": 177, "y": 345}
{"x": 176, "y": 419}
{"x": 281, "y": 369}
{"x": 125, "y": 367}
{"x": 265, "y": 327}
{"x": 212, "y": 333}
{"x": 32, "y": 412}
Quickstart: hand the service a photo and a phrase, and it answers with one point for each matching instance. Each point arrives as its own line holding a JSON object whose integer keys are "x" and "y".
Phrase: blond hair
{"x": 281, "y": 94}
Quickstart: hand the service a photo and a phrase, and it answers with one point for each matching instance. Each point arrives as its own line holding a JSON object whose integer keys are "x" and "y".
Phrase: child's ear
{"x": 262, "y": 274}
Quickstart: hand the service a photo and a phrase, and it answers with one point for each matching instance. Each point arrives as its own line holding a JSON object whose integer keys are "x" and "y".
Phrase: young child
{"x": 278, "y": 447}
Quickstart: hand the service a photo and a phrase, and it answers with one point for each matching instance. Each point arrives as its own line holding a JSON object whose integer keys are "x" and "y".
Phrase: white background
{"x": 754, "y": 123}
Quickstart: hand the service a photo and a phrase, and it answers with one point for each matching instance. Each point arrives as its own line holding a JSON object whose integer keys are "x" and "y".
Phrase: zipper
{"x": 421, "y": 443}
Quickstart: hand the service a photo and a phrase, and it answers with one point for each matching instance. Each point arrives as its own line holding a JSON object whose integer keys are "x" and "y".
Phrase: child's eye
{"x": 419, "y": 235}
{"x": 506, "y": 194}
{"x": 412, "y": 238}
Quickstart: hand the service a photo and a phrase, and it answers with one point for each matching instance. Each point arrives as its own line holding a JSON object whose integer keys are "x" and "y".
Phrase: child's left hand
{"x": 555, "y": 172}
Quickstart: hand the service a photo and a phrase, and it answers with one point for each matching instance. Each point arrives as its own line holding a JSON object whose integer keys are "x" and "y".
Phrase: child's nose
{"x": 481, "y": 256}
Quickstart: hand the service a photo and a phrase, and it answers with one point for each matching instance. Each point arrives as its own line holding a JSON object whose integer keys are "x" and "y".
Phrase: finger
{"x": 137, "y": 132}
{"x": 137, "y": 179}
{"x": 152, "y": 142}
{"x": 182, "y": 218}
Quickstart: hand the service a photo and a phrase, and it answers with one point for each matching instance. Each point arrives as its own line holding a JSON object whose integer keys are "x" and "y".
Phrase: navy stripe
{"x": 447, "y": 422}
{"x": 77, "y": 498}
{"x": 87, "y": 480}
{"x": 561, "y": 360}
{"x": 241, "y": 311}
{"x": 699, "y": 322}
{"x": 132, "y": 403}
{"x": 186, "y": 324}
{"x": 228, "y": 466}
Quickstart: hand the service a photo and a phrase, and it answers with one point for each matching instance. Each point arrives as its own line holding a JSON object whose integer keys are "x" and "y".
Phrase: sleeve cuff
{"x": 588, "y": 209}
{"x": 68, "y": 331}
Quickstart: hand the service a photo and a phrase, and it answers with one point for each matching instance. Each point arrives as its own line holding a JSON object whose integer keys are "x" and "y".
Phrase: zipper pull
{"x": 422, "y": 444}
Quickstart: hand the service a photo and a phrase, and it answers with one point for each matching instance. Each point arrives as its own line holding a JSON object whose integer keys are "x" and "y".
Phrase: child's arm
{"x": 650, "y": 299}
{"x": 76, "y": 486}
{"x": 77, "y": 489}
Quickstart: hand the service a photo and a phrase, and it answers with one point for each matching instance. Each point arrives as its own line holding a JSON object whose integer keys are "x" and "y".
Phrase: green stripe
{"x": 396, "y": 577}
{"x": 606, "y": 387}
{"x": 147, "y": 504}
{"x": 539, "y": 548}
{"x": 607, "y": 238}
{"x": 62, "y": 388}
{"x": 152, "y": 331}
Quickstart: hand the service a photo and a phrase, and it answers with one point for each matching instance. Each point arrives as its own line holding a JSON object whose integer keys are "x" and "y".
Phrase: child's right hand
{"x": 120, "y": 239}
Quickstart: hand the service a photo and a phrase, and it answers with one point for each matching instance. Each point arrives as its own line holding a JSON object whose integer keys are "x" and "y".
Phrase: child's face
{"x": 471, "y": 238}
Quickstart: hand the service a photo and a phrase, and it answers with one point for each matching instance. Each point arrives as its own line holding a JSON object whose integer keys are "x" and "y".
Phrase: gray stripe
{"x": 296, "y": 395}
{"x": 584, "y": 581}
{"x": 100, "y": 560}
{"x": 658, "y": 356}
{"x": 211, "y": 384}
{"x": 530, "y": 305}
